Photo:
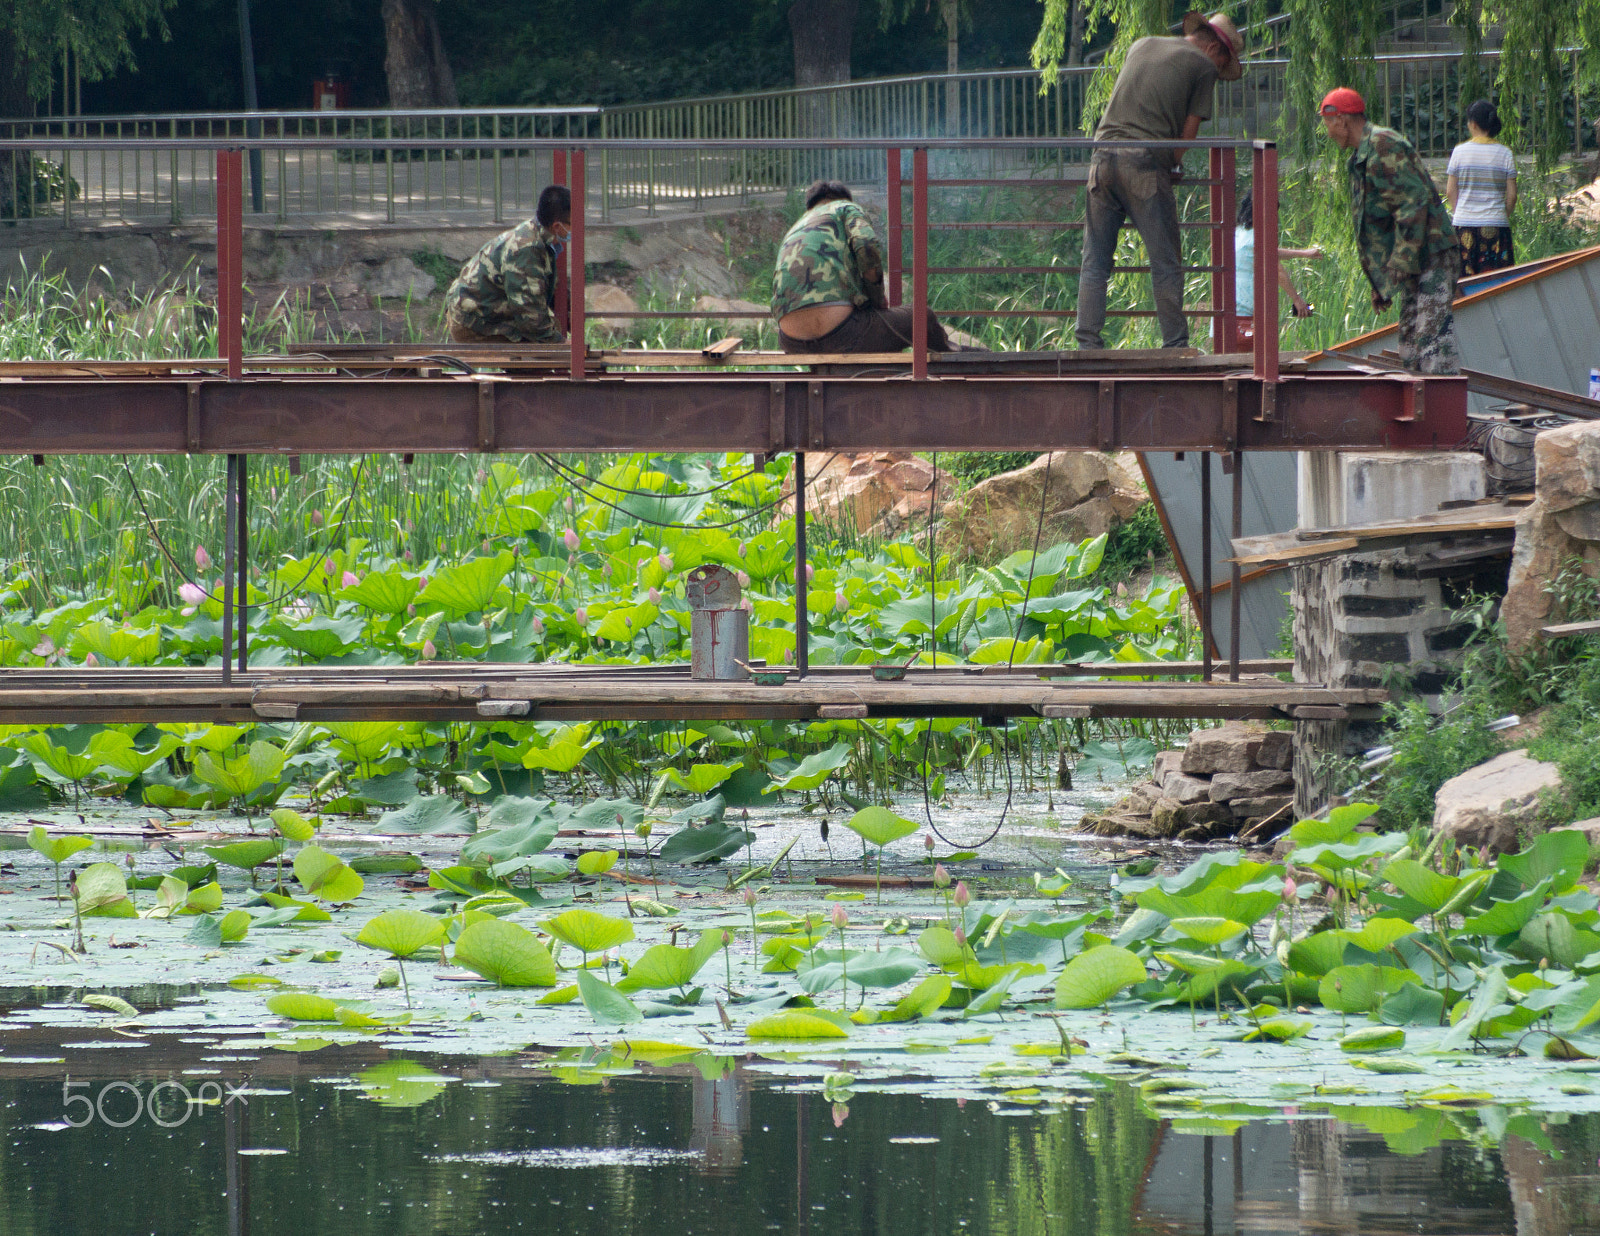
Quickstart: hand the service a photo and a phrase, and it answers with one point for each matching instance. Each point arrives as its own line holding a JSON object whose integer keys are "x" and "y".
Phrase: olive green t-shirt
{"x": 1163, "y": 82}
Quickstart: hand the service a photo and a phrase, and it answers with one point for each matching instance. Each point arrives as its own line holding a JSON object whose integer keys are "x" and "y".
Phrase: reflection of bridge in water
{"x": 571, "y": 398}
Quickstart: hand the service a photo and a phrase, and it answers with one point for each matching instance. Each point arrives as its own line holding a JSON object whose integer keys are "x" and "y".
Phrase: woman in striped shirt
{"x": 1482, "y": 192}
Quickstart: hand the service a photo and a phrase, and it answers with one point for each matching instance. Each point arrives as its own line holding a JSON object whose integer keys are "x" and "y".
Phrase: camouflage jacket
{"x": 507, "y": 289}
{"x": 831, "y": 256}
{"x": 1399, "y": 218}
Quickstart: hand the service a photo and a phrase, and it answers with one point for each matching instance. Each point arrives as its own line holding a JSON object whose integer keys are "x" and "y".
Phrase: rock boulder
{"x": 600, "y": 299}
{"x": 1084, "y": 494}
{"x": 1229, "y": 748}
{"x": 1493, "y": 804}
{"x": 879, "y": 493}
{"x": 760, "y": 315}
{"x": 1562, "y": 523}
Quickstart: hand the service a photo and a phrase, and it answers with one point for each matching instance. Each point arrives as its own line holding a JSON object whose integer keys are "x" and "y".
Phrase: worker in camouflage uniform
{"x": 506, "y": 292}
{"x": 827, "y": 289}
{"x": 1408, "y": 247}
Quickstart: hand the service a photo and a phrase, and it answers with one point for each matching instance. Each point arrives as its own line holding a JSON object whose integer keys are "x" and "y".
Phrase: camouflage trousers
{"x": 1427, "y": 319}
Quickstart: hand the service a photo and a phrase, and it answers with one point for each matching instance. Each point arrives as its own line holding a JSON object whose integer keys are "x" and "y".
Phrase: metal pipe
{"x": 919, "y": 263}
{"x": 1205, "y": 566}
{"x": 243, "y": 586}
{"x": 896, "y": 208}
{"x": 575, "y": 269}
{"x": 802, "y": 632}
{"x": 1235, "y": 585}
{"x": 230, "y": 491}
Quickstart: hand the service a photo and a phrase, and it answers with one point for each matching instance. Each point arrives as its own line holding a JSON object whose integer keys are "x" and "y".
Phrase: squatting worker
{"x": 506, "y": 293}
{"x": 1162, "y": 94}
{"x": 827, "y": 288}
{"x": 1403, "y": 233}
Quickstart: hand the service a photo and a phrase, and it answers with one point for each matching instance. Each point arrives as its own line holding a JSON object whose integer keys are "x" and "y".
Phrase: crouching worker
{"x": 827, "y": 290}
{"x": 506, "y": 293}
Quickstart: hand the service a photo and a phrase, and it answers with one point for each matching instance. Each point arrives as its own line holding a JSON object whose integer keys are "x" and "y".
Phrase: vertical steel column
{"x": 230, "y": 495}
{"x": 575, "y": 269}
{"x": 1235, "y": 587}
{"x": 897, "y": 258}
{"x": 1220, "y": 338}
{"x": 1205, "y": 565}
{"x": 1264, "y": 179}
{"x": 802, "y": 631}
{"x": 919, "y": 262}
{"x": 558, "y": 176}
{"x": 230, "y": 258}
{"x": 243, "y": 586}
{"x": 1230, "y": 259}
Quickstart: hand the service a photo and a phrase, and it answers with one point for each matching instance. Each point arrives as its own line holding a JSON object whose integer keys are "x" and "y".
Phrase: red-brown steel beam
{"x": 743, "y": 412}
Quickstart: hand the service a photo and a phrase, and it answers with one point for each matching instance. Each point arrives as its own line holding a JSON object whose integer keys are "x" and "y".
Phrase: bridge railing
{"x": 428, "y": 164}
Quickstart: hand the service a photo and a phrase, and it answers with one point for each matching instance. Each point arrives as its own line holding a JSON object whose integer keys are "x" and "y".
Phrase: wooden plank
{"x": 841, "y": 712}
{"x": 1570, "y": 628}
{"x": 1062, "y": 712}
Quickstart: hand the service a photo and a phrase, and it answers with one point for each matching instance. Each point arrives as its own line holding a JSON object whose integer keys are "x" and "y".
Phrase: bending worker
{"x": 1403, "y": 233}
{"x": 1162, "y": 94}
{"x": 506, "y": 293}
{"x": 827, "y": 288}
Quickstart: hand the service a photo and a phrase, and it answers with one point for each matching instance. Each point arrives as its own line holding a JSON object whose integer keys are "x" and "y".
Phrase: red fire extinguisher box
{"x": 330, "y": 93}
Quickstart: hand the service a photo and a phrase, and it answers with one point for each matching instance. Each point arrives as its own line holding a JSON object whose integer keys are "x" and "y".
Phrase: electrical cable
{"x": 554, "y": 463}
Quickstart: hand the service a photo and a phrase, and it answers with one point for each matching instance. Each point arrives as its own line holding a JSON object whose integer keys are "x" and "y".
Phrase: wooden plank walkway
{"x": 476, "y": 692}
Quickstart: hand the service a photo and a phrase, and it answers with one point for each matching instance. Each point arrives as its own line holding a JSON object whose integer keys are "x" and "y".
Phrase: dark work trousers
{"x": 1134, "y": 186}
{"x": 871, "y": 330}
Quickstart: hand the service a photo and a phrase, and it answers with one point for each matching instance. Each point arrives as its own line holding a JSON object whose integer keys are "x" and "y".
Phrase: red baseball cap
{"x": 1343, "y": 101}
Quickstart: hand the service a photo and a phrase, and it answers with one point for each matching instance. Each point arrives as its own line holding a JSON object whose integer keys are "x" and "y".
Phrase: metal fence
{"x": 1418, "y": 94}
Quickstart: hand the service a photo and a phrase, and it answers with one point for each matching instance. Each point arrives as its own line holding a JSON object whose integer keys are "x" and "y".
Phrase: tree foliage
{"x": 98, "y": 33}
{"x": 1130, "y": 19}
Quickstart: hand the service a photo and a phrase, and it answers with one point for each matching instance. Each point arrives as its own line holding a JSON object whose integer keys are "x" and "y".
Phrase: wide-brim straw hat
{"x": 1221, "y": 25}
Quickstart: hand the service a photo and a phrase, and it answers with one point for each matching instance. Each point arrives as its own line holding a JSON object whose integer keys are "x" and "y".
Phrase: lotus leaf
{"x": 1096, "y": 975}
{"x": 506, "y": 953}
{"x": 401, "y": 933}
{"x": 589, "y": 932}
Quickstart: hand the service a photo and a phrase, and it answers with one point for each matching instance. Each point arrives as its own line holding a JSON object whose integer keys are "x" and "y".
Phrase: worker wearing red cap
{"x": 1163, "y": 93}
{"x": 1403, "y": 233}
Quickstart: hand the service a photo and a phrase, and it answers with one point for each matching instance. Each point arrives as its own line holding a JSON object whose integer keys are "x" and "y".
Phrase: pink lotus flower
{"x": 665, "y": 559}
{"x": 840, "y": 604}
{"x": 408, "y": 555}
{"x": 329, "y": 567}
{"x": 349, "y": 579}
{"x": 191, "y": 594}
{"x": 941, "y": 877}
{"x": 201, "y": 558}
{"x": 1290, "y": 888}
{"x": 841, "y": 919}
{"x": 429, "y": 652}
{"x": 743, "y": 578}
{"x": 538, "y": 625}
{"x": 45, "y": 647}
{"x": 962, "y": 895}
{"x": 316, "y": 519}
{"x": 811, "y": 572}
{"x": 91, "y": 659}
{"x": 571, "y": 538}
{"x": 655, "y": 596}
{"x": 581, "y": 615}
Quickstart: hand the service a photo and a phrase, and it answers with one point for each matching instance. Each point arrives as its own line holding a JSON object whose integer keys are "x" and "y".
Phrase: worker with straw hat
{"x": 1163, "y": 93}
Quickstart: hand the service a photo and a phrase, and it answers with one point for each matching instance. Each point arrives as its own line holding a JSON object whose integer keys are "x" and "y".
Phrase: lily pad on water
{"x": 401, "y": 933}
{"x": 431, "y": 813}
{"x": 505, "y": 953}
{"x": 1095, "y": 975}
{"x": 589, "y": 932}
{"x": 704, "y": 844}
{"x": 796, "y": 1024}
{"x": 605, "y": 1003}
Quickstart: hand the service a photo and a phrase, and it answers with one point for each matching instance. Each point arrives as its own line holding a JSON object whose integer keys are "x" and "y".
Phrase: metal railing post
{"x": 896, "y": 207}
{"x": 499, "y": 210}
{"x": 802, "y": 626}
{"x": 575, "y": 268}
{"x": 1205, "y": 566}
{"x": 919, "y": 263}
{"x": 230, "y": 257}
{"x": 1264, "y": 182}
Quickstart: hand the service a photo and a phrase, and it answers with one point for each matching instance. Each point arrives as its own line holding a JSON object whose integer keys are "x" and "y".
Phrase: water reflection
{"x": 368, "y": 1145}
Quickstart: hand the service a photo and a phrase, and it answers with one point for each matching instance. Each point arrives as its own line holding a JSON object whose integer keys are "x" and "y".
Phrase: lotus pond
{"x": 867, "y": 1032}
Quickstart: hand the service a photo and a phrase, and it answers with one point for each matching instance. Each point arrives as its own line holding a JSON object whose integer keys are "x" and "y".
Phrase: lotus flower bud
{"x": 537, "y": 624}
{"x": 329, "y": 567}
{"x": 927, "y": 841}
{"x": 743, "y": 545}
{"x": 642, "y": 830}
{"x": 840, "y": 604}
{"x": 606, "y": 570}
{"x": 568, "y": 502}
{"x": 349, "y": 579}
{"x": 840, "y": 917}
{"x": 91, "y": 659}
{"x": 316, "y": 519}
{"x": 408, "y": 555}
{"x": 745, "y": 605}
{"x": 743, "y": 578}
{"x": 411, "y": 611}
{"x": 191, "y": 594}
{"x": 749, "y": 895}
{"x": 201, "y": 558}
{"x": 941, "y": 877}
{"x": 485, "y": 546}
{"x": 1290, "y": 888}
{"x": 429, "y": 652}
{"x": 727, "y": 938}
{"x": 961, "y": 937}
{"x": 571, "y": 539}
{"x": 811, "y": 572}
{"x": 665, "y": 559}
{"x": 581, "y": 615}
{"x": 655, "y": 596}
{"x": 481, "y": 476}
{"x": 841, "y": 1113}
{"x": 963, "y": 897}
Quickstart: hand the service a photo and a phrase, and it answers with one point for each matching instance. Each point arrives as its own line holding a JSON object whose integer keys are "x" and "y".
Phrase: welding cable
{"x": 572, "y": 478}
{"x": 554, "y": 463}
{"x": 166, "y": 552}
{"x": 933, "y": 642}
{"x": 1038, "y": 533}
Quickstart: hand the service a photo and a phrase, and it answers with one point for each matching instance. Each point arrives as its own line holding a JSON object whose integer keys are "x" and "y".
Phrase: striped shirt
{"x": 1482, "y": 171}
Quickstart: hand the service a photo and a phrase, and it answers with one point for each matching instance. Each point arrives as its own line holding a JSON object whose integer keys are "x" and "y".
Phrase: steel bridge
{"x": 574, "y": 398}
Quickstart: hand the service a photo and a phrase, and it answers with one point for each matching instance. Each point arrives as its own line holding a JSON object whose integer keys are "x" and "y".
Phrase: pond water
{"x": 365, "y": 1140}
